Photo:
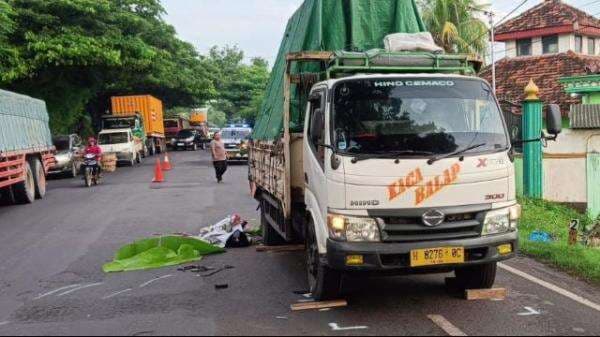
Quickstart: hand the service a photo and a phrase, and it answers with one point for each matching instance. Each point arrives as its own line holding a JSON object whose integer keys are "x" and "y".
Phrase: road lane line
{"x": 117, "y": 294}
{"x": 143, "y": 285}
{"x": 79, "y": 288}
{"x": 4, "y": 323}
{"x": 445, "y": 325}
{"x": 551, "y": 286}
{"x": 530, "y": 312}
{"x": 336, "y": 327}
{"x": 56, "y": 291}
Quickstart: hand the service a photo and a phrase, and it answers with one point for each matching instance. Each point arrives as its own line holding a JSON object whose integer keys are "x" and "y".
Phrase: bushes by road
{"x": 539, "y": 215}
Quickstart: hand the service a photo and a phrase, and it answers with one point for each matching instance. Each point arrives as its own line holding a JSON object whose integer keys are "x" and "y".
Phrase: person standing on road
{"x": 219, "y": 155}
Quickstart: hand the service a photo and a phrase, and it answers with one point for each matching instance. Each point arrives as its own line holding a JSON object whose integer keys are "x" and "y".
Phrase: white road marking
{"x": 143, "y": 285}
{"x": 336, "y": 327}
{"x": 552, "y": 287}
{"x": 4, "y": 323}
{"x": 56, "y": 291}
{"x": 530, "y": 312}
{"x": 445, "y": 325}
{"x": 117, "y": 294}
{"x": 79, "y": 288}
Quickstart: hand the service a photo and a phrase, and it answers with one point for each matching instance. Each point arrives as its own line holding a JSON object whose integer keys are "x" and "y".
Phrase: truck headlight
{"x": 502, "y": 221}
{"x": 353, "y": 229}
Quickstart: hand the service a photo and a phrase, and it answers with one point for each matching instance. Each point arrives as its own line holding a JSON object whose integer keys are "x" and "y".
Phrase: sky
{"x": 257, "y": 26}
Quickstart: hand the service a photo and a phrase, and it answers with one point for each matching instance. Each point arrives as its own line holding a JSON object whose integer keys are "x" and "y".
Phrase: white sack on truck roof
{"x": 400, "y": 42}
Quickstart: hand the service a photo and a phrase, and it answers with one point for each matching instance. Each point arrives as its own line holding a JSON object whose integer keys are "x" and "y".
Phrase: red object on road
{"x": 166, "y": 165}
{"x": 158, "y": 173}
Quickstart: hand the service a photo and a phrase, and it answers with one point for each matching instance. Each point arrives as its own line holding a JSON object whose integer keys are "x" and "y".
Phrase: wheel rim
{"x": 30, "y": 184}
{"x": 41, "y": 180}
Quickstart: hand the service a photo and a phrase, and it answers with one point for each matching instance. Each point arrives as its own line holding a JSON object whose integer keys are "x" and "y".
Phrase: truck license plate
{"x": 437, "y": 256}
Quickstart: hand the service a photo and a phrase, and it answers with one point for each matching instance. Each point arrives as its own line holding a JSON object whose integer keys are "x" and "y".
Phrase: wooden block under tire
{"x": 486, "y": 294}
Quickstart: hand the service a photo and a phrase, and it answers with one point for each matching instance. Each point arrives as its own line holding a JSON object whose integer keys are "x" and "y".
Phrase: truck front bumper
{"x": 395, "y": 257}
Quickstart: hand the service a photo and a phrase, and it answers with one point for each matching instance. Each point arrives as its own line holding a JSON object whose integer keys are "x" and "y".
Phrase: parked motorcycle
{"x": 91, "y": 170}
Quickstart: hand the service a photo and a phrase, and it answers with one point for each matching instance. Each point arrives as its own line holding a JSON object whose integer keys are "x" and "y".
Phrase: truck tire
{"x": 24, "y": 192}
{"x": 7, "y": 196}
{"x": 39, "y": 176}
{"x": 477, "y": 277}
{"x": 325, "y": 283}
{"x": 270, "y": 236}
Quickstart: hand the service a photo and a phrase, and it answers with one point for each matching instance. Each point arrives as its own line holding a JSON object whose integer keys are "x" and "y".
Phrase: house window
{"x": 591, "y": 46}
{"x": 524, "y": 47}
{"x": 578, "y": 44}
{"x": 550, "y": 44}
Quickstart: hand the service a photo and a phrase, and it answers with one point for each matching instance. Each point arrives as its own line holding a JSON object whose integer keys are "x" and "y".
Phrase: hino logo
{"x": 359, "y": 203}
{"x": 433, "y": 218}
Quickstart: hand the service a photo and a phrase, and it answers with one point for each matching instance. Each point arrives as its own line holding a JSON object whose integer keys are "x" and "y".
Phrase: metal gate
{"x": 593, "y": 177}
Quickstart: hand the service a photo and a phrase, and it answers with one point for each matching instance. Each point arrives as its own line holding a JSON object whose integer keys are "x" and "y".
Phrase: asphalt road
{"x": 51, "y": 281}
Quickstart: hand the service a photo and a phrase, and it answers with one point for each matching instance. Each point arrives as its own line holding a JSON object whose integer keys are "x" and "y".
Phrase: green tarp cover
{"x": 330, "y": 25}
{"x": 159, "y": 252}
{"x": 23, "y": 123}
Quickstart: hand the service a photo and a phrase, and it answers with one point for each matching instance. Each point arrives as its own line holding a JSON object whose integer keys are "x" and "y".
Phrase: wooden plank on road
{"x": 486, "y": 294}
{"x": 319, "y": 305}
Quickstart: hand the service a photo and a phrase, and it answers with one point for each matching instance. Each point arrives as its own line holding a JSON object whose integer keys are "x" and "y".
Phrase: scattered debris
{"x": 228, "y": 233}
{"x": 486, "y": 294}
{"x": 221, "y": 286}
{"x": 196, "y": 269}
{"x": 542, "y": 237}
{"x": 318, "y": 305}
{"x": 530, "y": 312}
{"x": 218, "y": 271}
{"x": 280, "y": 249}
{"x": 281, "y": 317}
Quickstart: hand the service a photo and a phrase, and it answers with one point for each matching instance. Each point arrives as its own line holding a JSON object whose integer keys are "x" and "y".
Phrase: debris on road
{"x": 218, "y": 271}
{"x": 196, "y": 269}
{"x": 228, "y": 233}
{"x": 221, "y": 286}
{"x": 280, "y": 249}
{"x": 160, "y": 252}
{"x": 542, "y": 237}
{"x": 319, "y": 305}
{"x": 486, "y": 294}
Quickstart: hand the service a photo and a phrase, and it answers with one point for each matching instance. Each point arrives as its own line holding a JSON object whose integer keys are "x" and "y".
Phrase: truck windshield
{"x": 119, "y": 123}
{"x": 113, "y": 138}
{"x": 185, "y": 134}
{"x": 416, "y": 116}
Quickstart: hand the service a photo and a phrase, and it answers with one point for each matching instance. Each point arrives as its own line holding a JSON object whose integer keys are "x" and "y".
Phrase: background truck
{"x": 199, "y": 122}
{"x": 391, "y": 160}
{"x": 174, "y": 125}
{"x": 26, "y": 150}
{"x": 123, "y": 144}
{"x": 149, "y": 110}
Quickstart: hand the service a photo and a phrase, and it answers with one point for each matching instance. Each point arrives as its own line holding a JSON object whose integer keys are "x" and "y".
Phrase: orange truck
{"x": 149, "y": 111}
{"x": 199, "y": 121}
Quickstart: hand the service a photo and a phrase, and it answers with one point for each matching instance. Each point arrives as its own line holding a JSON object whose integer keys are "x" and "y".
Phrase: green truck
{"x": 26, "y": 149}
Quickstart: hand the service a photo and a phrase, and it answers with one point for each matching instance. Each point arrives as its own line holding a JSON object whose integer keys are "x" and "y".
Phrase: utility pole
{"x": 493, "y": 48}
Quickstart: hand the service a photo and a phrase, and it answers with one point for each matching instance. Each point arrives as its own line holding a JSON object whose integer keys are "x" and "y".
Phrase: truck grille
{"x": 411, "y": 228}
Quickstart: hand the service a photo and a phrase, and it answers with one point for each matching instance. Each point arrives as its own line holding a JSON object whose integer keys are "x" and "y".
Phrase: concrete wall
{"x": 565, "y": 43}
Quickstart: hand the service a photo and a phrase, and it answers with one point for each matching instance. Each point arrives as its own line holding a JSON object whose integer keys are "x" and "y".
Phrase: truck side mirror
{"x": 553, "y": 120}
{"x": 317, "y": 125}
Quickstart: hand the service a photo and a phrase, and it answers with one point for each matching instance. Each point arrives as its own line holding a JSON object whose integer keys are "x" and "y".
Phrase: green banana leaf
{"x": 160, "y": 252}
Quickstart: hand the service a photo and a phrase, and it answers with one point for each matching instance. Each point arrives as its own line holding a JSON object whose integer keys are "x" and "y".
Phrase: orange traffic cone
{"x": 166, "y": 166}
{"x": 158, "y": 173}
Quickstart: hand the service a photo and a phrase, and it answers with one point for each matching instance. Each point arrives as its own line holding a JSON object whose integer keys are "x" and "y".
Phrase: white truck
{"x": 399, "y": 169}
{"x": 123, "y": 144}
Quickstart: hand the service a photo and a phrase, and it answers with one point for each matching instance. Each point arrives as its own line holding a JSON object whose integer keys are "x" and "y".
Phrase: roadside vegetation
{"x": 552, "y": 218}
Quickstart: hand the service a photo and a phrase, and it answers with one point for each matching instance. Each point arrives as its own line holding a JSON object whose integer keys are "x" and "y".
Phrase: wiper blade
{"x": 459, "y": 152}
{"x": 389, "y": 155}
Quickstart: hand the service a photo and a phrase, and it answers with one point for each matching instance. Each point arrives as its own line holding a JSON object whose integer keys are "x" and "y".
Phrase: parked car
{"x": 68, "y": 161}
{"x": 188, "y": 139}
{"x": 236, "y": 142}
{"x": 122, "y": 143}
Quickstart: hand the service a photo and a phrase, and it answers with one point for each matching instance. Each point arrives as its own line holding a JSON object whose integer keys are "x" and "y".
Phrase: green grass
{"x": 554, "y": 219}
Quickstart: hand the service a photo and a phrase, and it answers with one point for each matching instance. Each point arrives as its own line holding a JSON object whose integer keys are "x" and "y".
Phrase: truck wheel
{"x": 39, "y": 175}
{"x": 270, "y": 236}
{"x": 325, "y": 283}
{"x": 477, "y": 277}
{"x": 24, "y": 192}
{"x": 7, "y": 196}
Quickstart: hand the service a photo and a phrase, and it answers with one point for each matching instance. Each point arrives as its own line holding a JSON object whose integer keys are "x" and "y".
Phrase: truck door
{"x": 314, "y": 154}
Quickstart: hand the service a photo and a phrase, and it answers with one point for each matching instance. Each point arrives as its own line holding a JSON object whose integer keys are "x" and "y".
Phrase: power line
{"x": 500, "y": 22}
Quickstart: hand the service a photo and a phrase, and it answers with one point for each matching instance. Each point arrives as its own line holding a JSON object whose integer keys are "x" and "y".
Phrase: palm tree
{"x": 456, "y": 25}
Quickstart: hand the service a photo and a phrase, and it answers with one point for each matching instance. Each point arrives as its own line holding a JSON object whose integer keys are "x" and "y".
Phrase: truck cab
{"x": 123, "y": 144}
{"x": 408, "y": 173}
